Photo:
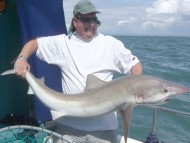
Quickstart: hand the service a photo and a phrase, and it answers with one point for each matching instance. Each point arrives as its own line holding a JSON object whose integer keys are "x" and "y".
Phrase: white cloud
{"x": 185, "y": 7}
{"x": 165, "y": 13}
{"x": 169, "y": 7}
{"x": 162, "y": 24}
{"x": 163, "y": 7}
{"x": 130, "y": 20}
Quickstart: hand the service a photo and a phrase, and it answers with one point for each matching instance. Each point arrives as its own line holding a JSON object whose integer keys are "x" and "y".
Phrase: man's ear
{"x": 74, "y": 21}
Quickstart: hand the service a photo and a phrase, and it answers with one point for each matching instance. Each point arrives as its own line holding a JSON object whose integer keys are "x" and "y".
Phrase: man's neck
{"x": 85, "y": 39}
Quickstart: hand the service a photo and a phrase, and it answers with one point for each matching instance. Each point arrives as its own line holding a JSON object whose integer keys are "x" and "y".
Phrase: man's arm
{"x": 21, "y": 65}
{"x": 137, "y": 69}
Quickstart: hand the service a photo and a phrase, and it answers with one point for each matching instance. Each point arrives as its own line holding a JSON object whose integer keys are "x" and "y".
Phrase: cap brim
{"x": 88, "y": 12}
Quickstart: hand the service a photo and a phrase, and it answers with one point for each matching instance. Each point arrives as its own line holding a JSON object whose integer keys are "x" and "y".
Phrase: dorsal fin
{"x": 92, "y": 82}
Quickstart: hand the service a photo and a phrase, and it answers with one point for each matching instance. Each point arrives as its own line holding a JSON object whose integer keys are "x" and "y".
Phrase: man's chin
{"x": 89, "y": 35}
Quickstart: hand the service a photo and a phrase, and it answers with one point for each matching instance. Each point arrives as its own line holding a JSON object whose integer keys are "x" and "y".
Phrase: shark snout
{"x": 182, "y": 90}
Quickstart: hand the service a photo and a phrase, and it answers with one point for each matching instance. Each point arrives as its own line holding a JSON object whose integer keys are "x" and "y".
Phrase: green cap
{"x": 82, "y": 7}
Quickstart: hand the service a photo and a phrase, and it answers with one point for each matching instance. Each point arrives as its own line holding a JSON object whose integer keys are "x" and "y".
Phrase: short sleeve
{"x": 125, "y": 60}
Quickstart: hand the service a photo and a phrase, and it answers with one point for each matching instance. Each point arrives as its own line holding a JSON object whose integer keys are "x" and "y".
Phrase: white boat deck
{"x": 129, "y": 140}
{"x": 132, "y": 141}
{"x": 120, "y": 139}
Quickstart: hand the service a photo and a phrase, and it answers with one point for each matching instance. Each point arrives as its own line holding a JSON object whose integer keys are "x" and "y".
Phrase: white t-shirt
{"x": 102, "y": 57}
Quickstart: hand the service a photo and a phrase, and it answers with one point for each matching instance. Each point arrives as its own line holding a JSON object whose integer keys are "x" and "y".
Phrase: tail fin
{"x": 8, "y": 72}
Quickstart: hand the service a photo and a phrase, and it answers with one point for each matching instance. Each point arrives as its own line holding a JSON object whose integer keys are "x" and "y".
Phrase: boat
{"x": 11, "y": 43}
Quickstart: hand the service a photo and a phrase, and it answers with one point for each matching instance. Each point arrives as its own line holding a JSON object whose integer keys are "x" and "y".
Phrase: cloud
{"x": 162, "y": 24}
{"x": 163, "y": 7}
{"x": 169, "y": 7}
{"x": 165, "y": 13}
{"x": 130, "y": 20}
{"x": 185, "y": 7}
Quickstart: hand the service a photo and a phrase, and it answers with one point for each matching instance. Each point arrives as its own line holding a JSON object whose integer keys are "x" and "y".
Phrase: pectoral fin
{"x": 126, "y": 113}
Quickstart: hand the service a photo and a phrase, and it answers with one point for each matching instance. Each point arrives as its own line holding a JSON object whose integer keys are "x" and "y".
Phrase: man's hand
{"x": 137, "y": 69}
{"x": 21, "y": 66}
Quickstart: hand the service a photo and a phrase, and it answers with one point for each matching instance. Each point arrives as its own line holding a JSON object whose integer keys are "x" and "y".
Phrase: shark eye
{"x": 166, "y": 90}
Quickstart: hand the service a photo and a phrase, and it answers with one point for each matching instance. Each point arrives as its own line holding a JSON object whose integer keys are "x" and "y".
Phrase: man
{"x": 83, "y": 51}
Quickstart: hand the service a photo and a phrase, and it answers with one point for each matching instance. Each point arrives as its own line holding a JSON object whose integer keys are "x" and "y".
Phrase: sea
{"x": 166, "y": 57}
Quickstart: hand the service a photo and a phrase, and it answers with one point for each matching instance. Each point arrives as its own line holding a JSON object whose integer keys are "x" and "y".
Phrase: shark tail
{"x": 8, "y": 72}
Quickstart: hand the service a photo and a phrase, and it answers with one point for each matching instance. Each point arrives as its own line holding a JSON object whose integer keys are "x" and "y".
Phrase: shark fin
{"x": 8, "y": 72}
{"x": 126, "y": 113}
{"x": 30, "y": 91}
{"x": 93, "y": 81}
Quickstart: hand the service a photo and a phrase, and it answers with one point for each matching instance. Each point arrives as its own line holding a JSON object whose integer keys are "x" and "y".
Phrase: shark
{"x": 100, "y": 97}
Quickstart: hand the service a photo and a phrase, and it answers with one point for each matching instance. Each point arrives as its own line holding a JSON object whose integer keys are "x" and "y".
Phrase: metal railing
{"x": 155, "y": 108}
{"x": 152, "y": 135}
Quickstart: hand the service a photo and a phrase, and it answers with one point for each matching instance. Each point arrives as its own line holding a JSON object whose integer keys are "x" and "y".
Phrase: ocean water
{"x": 167, "y": 58}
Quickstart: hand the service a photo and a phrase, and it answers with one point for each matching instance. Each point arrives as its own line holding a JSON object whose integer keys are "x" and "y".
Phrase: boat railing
{"x": 155, "y": 109}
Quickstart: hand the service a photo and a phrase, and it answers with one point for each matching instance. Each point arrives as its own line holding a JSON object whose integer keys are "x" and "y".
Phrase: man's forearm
{"x": 29, "y": 48}
{"x": 21, "y": 65}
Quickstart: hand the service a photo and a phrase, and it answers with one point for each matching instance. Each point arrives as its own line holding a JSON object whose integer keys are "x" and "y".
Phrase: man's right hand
{"x": 21, "y": 66}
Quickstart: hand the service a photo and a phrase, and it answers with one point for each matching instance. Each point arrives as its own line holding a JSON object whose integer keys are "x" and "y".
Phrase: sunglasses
{"x": 88, "y": 19}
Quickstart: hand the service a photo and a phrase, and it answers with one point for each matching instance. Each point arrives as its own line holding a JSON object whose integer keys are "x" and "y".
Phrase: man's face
{"x": 86, "y": 25}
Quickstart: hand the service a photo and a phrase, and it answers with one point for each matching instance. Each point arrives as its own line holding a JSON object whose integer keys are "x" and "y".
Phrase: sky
{"x": 139, "y": 17}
